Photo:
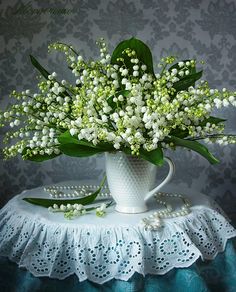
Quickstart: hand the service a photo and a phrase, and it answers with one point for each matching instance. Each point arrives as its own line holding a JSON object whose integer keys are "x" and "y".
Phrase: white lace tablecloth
{"x": 115, "y": 246}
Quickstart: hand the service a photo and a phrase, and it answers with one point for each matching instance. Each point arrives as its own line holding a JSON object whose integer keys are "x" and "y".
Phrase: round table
{"x": 116, "y": 246}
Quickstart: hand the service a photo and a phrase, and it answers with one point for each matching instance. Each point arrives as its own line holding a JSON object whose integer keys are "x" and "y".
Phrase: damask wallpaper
{"x": 202, "y": 29}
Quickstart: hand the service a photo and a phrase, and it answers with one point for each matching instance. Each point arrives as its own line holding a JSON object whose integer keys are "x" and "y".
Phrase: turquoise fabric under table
{"x": 218, "y": 275}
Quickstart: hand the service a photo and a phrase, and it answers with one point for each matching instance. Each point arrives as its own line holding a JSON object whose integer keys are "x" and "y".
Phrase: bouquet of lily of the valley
{"x": 117, "y": 103}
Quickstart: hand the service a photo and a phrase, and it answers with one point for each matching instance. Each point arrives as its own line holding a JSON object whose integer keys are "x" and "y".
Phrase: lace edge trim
{"x": 125, "y": 278}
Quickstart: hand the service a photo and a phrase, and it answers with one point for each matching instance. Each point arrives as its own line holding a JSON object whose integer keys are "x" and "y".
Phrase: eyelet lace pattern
{"x": 100, "y": 251}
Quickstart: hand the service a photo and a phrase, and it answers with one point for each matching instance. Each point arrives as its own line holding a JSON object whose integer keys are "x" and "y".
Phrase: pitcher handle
{"x": 165, "y": 181}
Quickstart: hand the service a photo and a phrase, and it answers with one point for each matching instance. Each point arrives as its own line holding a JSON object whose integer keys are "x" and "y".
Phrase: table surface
{"x": 114, "y": 246}
{"x": 113, "y": 217}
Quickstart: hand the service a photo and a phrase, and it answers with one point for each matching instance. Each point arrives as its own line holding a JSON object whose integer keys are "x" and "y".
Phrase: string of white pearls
{"x": 153, "y": 221}
{"x": 168, "y": 212}
{"x": 63, "y": 191}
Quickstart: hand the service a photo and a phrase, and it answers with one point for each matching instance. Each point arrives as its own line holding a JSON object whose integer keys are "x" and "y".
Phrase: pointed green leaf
{"x": 49, "y": 203}
{"x": 44, "y": 72}
{"x": 142, "y": 50}
{"x": 195, "y": 146}
{"x": 66, "y": 138}
{"x": 179, "y": 133}
{"x": 154, "y": 156}
{"x": 40, "y": 68}
{"x": 187, "y": 81}
{"x": 212, "y": 120}
{"x": 77, "y": 150}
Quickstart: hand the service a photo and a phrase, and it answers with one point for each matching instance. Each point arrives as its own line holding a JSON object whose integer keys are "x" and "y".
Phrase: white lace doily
{"x": 116, "y": 246}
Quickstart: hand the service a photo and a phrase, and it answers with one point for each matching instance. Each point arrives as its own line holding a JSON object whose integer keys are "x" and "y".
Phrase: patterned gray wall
{"x": 205, "y": 30}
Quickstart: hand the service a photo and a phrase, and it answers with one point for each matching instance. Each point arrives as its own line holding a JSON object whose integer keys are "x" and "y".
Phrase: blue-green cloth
{"x": 217, "y": 275}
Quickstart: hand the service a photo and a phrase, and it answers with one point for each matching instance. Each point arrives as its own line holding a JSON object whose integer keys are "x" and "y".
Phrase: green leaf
{"x": 66, "y": 138}
{"x": 195, "y": 146}
{"x": 77, "y": 150}
{"x": 142, "y": 50}
{"x": 185, "y": 133}
{"x": 40, "y": 68}
{"x": 187, "y": 81}
{"x": 212, "y": 120}
{"x": 179, "y": 133}
{"x": 38, "y": 157}
{"x": 44, "y": 72}
{"x": 104, "y": 146}
{"x": 49, "y": 203}
{"x": 154, "y": 156}
{"x": 126, "y": 150}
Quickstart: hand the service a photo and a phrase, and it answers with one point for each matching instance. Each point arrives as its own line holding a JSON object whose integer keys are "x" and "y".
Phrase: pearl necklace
{"x": 77, "y": 191}
{"x": 153, "y": 221}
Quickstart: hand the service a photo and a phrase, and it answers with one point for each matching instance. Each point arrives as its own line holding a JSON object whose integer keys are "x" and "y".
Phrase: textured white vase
{"x": 130, "y": 180}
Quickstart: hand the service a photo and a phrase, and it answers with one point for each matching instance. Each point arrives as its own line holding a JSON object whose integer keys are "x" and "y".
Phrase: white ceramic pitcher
{"x": 130, "y": 179}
